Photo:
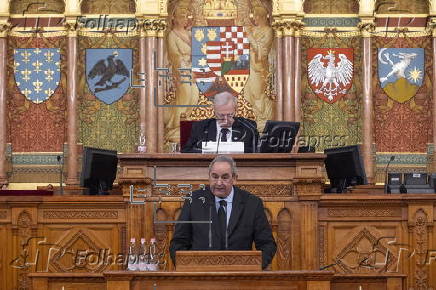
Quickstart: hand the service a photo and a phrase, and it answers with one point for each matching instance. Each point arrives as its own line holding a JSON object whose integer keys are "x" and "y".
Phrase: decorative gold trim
{"x": 329, "y": 34}
{"x": 36, "y": 15}
{"x": 400, "y": 15}
{"x": 330, "y": 15}
{"x": 17, "y": 33}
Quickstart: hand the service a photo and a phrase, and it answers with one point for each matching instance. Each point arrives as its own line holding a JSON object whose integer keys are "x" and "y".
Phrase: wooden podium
{"x": 215, "y": 261}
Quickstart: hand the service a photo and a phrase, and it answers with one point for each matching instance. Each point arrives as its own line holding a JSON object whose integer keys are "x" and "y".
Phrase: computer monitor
{"x": 99, "y": 168}
{"x": 344, "y": 167}
{"x": 278, "y": 137}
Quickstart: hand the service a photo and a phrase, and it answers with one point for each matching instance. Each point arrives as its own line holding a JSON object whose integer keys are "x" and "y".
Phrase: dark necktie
{"x": 222, "y": 220}
{"x": 224, "y": 132}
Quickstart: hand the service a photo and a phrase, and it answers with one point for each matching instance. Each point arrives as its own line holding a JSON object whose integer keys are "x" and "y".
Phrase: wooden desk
{"x": 123, "y": 280}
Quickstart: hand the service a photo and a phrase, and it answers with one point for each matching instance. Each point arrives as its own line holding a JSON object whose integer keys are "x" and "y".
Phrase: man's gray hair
{"x": 224, "y": 98}
{"x": 227, "y": 159}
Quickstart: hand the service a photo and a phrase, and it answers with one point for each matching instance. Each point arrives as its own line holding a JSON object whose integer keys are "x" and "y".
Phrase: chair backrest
{"x": 185, "y": 132}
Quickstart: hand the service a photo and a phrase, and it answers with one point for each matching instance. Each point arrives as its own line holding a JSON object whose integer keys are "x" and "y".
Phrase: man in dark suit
{"x": 225, "y": 127}
{"x": 238, "y": 217}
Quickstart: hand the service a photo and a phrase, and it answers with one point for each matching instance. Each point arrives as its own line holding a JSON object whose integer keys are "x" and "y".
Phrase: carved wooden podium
{"x": 287, "y": 183}
{"x": 214, "y": 261}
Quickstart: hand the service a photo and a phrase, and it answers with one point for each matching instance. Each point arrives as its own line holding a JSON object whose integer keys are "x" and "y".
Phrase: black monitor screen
{"x": 344, "y": 167}
{"x": 278, "y": 137}
{"x": 99, "y": 168}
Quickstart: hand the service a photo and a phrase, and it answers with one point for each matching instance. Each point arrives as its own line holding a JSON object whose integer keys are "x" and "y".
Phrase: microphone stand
{"x": 387, "y": 187}
{"x": 61, "y": 175}
{"x": 210, "y": 226}
{"x": 218, "y": 144}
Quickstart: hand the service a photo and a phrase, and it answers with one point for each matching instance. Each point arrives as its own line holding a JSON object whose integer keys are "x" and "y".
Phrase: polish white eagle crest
{"x": 330, "y": 80}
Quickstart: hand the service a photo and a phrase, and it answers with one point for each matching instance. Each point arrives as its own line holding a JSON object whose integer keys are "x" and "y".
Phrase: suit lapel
{"x": 215, "y": 231}
{"x": 238, "y": 205}
{"x": 212, "y": 130}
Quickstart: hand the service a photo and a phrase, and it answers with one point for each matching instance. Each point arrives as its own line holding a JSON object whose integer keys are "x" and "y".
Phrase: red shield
{"x": 330, "y": 72}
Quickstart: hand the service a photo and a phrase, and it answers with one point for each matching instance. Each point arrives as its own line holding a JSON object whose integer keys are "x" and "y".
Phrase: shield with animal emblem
{"x": 37, "y": 72}
{"x": 108, "y": 72}
{"x": 330, "y": 72}
{"x": 220, "y": 58}
{"x": 401, "y": 72}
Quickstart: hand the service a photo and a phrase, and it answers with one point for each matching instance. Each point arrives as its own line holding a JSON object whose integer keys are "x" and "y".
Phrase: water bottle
{"x": 143, "y": 256}
{"x": 153, "y": 263}
{"x": 132, "y": 256}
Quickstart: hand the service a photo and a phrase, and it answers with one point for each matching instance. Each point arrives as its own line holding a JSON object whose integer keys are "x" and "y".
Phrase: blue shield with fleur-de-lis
{"x": 37, "y": 72}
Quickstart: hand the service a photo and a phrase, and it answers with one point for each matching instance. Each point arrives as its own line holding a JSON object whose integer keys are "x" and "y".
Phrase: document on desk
{"x": 223, "y": 147}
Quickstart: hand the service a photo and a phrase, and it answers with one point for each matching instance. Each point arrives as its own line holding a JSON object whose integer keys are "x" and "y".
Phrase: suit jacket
{"x": 247, "y": 224}
{"x": 243, "y": 130}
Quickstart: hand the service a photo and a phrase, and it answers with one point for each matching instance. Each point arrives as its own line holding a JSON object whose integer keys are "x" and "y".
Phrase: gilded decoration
{"x": 108, "y": 7}
{"x": 402, "y": 7}
{"x": 107, "y": 126}
{"x": 37, "y": 7}
{"x": 256, "y": 99}
{"x": 331, "y": 125}
{"x": 36, "y": 127}
{"x": 331, "y": 7}
{"x": 403, "y": 127}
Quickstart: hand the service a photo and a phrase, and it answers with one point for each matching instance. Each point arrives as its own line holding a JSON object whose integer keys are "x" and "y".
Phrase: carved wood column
{"x": 72, "y": 59}
{"x": 278, "y": 112}
{"x": 3, "y": 78}
{"x": 368, "y": 160}
{"x": 288, "y": 72}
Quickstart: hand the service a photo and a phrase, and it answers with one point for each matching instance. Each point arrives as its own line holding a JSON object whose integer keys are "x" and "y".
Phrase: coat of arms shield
{"x": 37, "y": 72}
{"x": 108, "y": 72}
{"x": 220, "y": 58}
{"x": 401, "y": 72}
{"x": 330, "y": 72}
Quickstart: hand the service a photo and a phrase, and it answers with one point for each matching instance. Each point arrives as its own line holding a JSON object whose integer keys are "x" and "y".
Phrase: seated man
{"x": 238, "y": 217}
{"x": 225, "y": 127}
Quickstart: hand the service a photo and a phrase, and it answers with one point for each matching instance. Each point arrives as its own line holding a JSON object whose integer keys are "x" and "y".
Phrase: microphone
{"x": 61, "y": 175}
{"x": 206, "y": 131}
{"x": 387, "y": 187}
{"x": 251, "y": 128}
{"x": 219, "y": 139}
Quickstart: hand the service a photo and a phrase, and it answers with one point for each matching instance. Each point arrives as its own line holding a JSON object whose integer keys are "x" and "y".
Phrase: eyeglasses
{"x": 224, "y": 116}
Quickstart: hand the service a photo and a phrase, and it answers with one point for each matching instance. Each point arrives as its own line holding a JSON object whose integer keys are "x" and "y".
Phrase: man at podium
{"x": 225, "y": 127}
{"x": 237, "y": 216}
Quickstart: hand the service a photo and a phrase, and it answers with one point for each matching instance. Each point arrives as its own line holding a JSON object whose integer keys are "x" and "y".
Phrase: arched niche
{"x": 402, "y": 7}
{"x": 37, "y": 7}
{"x": 331, "y": 7}
{"x": 108, "y": 7}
